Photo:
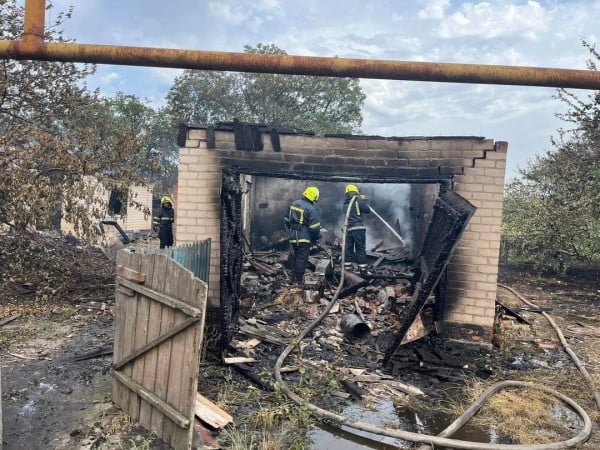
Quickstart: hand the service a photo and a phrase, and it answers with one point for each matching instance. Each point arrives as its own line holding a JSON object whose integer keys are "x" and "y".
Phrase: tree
{"x": 321, "y": 104}
{"x": 554, "y": 209}
{"x": 56, "y": 136}
{"x": 152, "y": 127}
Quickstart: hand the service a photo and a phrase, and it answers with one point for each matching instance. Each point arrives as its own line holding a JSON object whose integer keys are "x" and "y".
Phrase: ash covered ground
{"x": 62, "y": 293}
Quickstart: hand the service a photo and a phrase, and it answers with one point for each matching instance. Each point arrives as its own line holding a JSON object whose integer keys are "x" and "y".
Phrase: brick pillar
{"x": 473, "y": 270}
{"x": 198, "y": 196}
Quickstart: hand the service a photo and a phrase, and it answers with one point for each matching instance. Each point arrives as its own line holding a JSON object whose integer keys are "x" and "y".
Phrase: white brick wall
{"x": 472, "y": 272}
{"x": 135, "y": 219}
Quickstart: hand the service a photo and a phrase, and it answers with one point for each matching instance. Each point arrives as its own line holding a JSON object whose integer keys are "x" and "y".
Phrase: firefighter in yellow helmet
{"x": 163, "y": 222}
{"x": 303, "y": 226}
{"x": 356, "y": 234}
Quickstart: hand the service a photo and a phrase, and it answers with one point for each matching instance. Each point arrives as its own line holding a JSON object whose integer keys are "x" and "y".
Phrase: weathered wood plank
{"x": 196, "y": 296}
{"x": 131, "y": 274}
{"x": 117, "y": 387}
{"x": 179, "y": 365}
{"x": 120, "y": 393}
{"x": 131, "y": 322}
{"x": 238, "y": 360}
{"x": 154, "y": 342}
{"x": 210, "y": 413}
{"x": 165, "y": 366}
{"x": 168, "y": 300}
{"x": 154, "y": 282}
{"x": 175, "y": 416}
{"x": 164, "y": 350}
{"x": 141, "y": 331}
{"x": 264, "y": 335}
{"x": 125, "y": 291}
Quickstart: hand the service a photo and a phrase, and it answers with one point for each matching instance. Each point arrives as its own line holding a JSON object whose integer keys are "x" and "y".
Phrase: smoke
{"x": 392, "y": 203}
{"x": 272, "y": 197}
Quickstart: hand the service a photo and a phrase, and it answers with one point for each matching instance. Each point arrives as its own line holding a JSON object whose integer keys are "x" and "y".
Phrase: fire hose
{"x": 441, "y": 440}
{"x": 402, "y": 241}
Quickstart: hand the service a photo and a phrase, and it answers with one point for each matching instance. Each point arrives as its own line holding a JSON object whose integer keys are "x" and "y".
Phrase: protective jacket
{"x": 303, "y": 222}
{"x": 164, "y": 219}
{"x": 359, "y": 208}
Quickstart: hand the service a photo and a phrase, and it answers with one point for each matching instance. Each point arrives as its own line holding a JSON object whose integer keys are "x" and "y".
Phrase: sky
{"x": 542, "y": 33}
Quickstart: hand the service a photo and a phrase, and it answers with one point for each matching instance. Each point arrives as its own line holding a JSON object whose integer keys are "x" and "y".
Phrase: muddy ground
{"x": 52, "y": 400}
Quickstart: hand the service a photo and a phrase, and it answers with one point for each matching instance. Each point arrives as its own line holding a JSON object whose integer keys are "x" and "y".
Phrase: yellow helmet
{"x": 311, "y": 193}
{"x": 165, "y": 199}
{"x": 351, "y": 188}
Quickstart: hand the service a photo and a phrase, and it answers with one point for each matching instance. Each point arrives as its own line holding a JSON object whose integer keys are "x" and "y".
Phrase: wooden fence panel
{"x": 159, "y": 324}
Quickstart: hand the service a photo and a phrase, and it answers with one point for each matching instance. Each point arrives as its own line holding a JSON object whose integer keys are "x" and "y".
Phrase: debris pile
{"x": 350, "y": 342}
{"x": 39, "y": 270}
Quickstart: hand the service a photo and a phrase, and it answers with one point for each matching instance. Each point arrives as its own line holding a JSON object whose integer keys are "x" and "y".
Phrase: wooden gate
{"x": 159, "y": 322}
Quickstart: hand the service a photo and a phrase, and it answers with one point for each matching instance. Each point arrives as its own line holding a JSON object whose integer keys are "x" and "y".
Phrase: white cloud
{"x": 229, "y": 12}
{"x": 487, "y": 20}
{"x": 166, "y": 75}
{"x": 269, "y": 5}
{"x": 109, "y": 77}
{"x": 434, "y": 9}
{"x": 238, "y": 12}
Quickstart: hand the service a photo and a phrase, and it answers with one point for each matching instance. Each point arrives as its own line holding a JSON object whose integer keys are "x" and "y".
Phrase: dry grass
{"x": 242, "y": 438}
{"x": 268, "y": 418}
{"x": 527, "y": 416}
{"x": 120, "y": 423}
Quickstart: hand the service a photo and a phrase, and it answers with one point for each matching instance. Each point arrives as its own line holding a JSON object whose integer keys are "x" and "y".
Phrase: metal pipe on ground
{"x": 352, "y": 278}
{"x": 354, "y": 327}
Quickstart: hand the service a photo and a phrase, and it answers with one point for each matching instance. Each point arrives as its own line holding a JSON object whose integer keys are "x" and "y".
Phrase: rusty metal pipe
{"x": 35, "y": 19}
{"x": 35, "y": 48}
{"x": 301, "y": 65}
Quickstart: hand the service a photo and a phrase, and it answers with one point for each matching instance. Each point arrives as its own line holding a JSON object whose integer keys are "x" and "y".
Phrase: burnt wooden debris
{"x": 400, "y": 300}
{"x": 231, "y": 255}
{"x": 450, "y": 217}
{"x": 514, "y": 313}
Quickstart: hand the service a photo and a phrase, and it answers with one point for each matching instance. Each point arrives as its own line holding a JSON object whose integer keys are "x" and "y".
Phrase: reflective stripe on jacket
{"x": 165, "y": 218}
{"x": 360, "y": 207}
{"x": 302, "y": 222}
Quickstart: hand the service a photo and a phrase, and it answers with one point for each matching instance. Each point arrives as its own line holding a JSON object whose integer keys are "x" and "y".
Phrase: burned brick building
{"x": 235, "y": 178}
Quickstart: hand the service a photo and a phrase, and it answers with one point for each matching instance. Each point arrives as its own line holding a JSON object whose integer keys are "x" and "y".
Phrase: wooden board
{"x": 210, "y": 413}
{"x": 156, "y": 366}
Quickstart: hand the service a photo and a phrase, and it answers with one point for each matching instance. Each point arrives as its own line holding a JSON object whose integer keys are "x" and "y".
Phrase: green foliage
{"x": 552, "y": 214}
{"x": 59, "y": 142}
{"x": 321, "y": 104}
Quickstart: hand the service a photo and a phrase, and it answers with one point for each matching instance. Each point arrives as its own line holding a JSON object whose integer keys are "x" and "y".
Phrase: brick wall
{"x": 135, "y": 219}
{"x": 474, "y": 166}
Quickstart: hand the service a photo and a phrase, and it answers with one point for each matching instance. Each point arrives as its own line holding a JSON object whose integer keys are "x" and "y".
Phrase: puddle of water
{"x": 346, "y": 438}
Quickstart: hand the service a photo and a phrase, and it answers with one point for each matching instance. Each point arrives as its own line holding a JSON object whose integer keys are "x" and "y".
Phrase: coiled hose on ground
{"x": 442, "y": 439}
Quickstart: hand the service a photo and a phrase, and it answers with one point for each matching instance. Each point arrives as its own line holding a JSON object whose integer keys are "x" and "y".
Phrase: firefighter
{"x": 163, "y": 222}
{"x": 357, "y": 231}
{"x": 303, "y": 226}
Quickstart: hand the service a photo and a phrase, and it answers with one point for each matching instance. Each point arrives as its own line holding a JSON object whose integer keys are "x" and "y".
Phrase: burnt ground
{"x": 51, "y": 400}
